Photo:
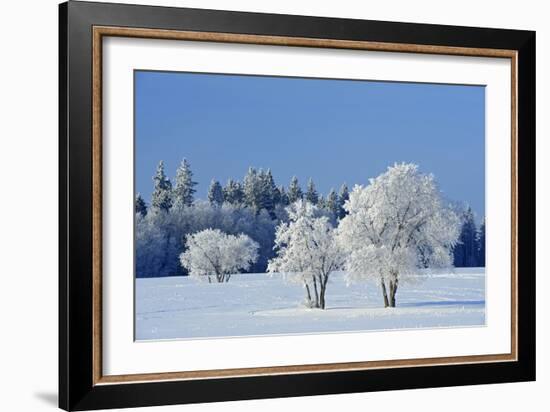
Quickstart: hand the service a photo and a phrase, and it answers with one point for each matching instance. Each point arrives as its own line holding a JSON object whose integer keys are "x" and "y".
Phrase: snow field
{"x": 263, "y": 304}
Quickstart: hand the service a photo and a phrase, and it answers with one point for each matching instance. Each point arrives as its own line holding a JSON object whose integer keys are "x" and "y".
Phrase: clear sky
{"x": 334, "y": 131}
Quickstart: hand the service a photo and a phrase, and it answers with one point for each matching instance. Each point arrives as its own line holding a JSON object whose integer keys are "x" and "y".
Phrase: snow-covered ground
{"x": 260, "y": 304}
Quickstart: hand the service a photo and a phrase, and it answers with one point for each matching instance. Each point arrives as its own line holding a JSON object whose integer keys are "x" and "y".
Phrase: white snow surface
{"x": 265, "y": 304}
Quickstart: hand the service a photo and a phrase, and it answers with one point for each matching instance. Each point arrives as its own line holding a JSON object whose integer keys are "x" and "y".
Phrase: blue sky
{"x": 334, "y": 131}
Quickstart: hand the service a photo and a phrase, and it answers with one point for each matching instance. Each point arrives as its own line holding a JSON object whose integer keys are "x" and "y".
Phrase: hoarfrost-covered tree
{"x": 283, "y": 196}
{"x": 321, "y": 202}
{"x": 141, "y": 207}
{"x": 156, "y": 245}
{"x": 268, "y": 192}
{"x": 294, "y": 191}
{"x": 161, "y": 199}
{"x": 215, "y": 193}
{"x": 213, "y": 253}
{"x": 311, "y": 194}
{"x": 233, "y": 192}
{"x": 343, "y": 196}
{"x": 332, "y": 203}
{"x": 307, "y": 251}
{"x": 276, "y": 196}
{"x": 395, "y": 226}
{"x": 252, "y": 187}
{"x": 184, "y": 188}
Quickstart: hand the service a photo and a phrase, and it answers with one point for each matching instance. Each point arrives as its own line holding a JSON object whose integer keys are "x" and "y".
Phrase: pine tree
{"x": 215, "y": 193}
{"x": 294, "y": 191}
{"x": 185, "y": 186}
{"x": 161, "y": 199}
{"x": 233, "y": 192}
{"x": 343, "y": 196}
{"x": 141, "y": 207}
{"x": 332, "y": 203}
{"x": 311, "y": 194}
{"x": 480, "y": 240}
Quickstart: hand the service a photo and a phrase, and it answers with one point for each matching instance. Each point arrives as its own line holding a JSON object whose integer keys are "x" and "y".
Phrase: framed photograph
{"x": 256, "y": 205}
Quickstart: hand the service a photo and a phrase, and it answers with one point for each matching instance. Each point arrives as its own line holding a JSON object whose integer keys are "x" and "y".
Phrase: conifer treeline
{"x": 470, "y": 250}
{"x": 256, "y": 191}
{"x": 253, "y": 206}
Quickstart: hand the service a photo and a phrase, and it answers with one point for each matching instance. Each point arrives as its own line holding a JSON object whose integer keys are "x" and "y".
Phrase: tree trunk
{"x": 323, "y": 281}
{"x": 309, "y": 302}
{"x": 384, "y": 293}
{"x": 393, "y": 291}
{"x": 316, "y": 292}
{"x": 322, "y": 296}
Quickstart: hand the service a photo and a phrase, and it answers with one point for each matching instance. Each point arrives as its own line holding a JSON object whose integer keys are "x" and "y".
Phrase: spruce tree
{"x": 343, "y": 196}
{"x": 294, "y": 191}
{"x": 480, "y": 240}
{"x": 311, "y": 194}
{"x": 276, "y": 196}
{"x": 283, "y": 196}
{"x": 233, "y": 192}
{"x": 161, "y": 199}
{"x": 267, "y": 192}
{"x": 252, "y": 188}
{"x": 141, "y": 207}
{"x": 185, "y": 186}
{"x": 321, "y": 202}
{"x": 465, "y": 252}
{"x": 215, "y": 193}
{"x": 332, "y": 203}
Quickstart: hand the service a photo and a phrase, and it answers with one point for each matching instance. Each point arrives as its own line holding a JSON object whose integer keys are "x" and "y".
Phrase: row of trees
{"x": 470, "y": 249}
{"x": 392, "y": 228}
{"x": 253, "y": 207}
{"x": 257, "y": 191}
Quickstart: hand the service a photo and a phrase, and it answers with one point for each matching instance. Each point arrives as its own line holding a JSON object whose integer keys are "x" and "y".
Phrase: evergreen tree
{"x": 321, "y": 202}
{"x": 252, "y": 188}
{"x": 141, "y": 207}
{"x": 233, "y": 192}
{"x": 343, "y": 196}
{"x": 332, "y": 203}
{"x": 267, "y": 192}
{"x": 215, "y": 193}
{"x": 283, "y": 196}
{"x": 480, "y": 240}
{"x": 294, "y": 191}
{"x": 161, "y": 199}
{"x": 311, "y": 194}
{"x": 465, "y": 252}
{"x": 185, "y": 186}
{"x": 276, "y": 196}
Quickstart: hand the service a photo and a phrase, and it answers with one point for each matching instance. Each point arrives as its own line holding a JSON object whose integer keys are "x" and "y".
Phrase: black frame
{"x": 76, "y": 389}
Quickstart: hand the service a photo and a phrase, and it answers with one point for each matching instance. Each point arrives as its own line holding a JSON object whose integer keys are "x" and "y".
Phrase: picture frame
{"x": 82, "y": 383}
